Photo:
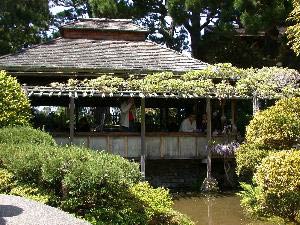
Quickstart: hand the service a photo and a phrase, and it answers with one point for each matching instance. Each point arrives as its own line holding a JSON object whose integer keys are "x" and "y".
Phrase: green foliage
{"x": 6, "y": 181}
{"x": 22, "y": 23}
{"x": 98, "y": 186}
{"x": 259, "y": 15}
{"x": 25, "y": 135}
{"x": 157, "y": 202}
{"x": 31, "y": 192}
{"x": 252, "y": 199}
{"x": 14, "y": 105}
{"x": 8, "y": 185}
{"x": 277, "y": 127}
{"x": 276, "y": 189}
{"x": 248, "y": 158}
{"x": 293, "y": 30}
{"x": 219, "y": 80}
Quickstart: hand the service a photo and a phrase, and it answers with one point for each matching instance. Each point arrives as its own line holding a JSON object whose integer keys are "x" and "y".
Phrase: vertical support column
{"x": 233, "y": 116}
{"x": 208, "y": 113}
{"x": 163, "y": 118}
{"x": 255, "y": 104}
{"x": 143, "y": 141}
{"x": 72, "y": 119}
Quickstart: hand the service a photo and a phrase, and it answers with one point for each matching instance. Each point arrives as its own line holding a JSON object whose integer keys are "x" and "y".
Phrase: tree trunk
{"x": 195, "y": 33}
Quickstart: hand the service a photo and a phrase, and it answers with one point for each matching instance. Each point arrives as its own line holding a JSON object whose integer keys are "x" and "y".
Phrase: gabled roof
{"x": 80, "y": 55}
{"x": 103, "y": 24}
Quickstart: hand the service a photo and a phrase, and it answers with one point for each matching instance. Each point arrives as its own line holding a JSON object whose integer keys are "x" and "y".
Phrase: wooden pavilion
{"x": 90, "y": 48}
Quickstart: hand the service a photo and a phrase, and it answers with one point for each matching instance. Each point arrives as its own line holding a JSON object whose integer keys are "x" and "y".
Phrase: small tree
{"x": 14, "y": 104}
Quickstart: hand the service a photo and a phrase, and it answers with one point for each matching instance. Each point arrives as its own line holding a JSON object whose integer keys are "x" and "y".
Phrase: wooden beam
{"x": 209, "y": 128}
{"x": 72, "y": 119}
{"x": 143, "y": 141}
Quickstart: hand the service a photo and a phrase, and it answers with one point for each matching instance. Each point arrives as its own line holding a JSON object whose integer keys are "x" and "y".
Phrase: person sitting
{"x": 189, "y": 124}
{"x": 127, "y": 115}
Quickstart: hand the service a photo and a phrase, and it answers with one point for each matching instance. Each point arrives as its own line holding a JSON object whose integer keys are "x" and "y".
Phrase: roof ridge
{"x": 131, "y": 21}
{"x": 104, "y": 19}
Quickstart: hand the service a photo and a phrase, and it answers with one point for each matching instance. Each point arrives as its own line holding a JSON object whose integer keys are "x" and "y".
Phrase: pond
{"x": 219, "y": 210}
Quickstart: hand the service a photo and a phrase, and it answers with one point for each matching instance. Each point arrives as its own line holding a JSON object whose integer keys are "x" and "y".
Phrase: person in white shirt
{"x": 127, "y": 115}
{"x": 188, "y": 124}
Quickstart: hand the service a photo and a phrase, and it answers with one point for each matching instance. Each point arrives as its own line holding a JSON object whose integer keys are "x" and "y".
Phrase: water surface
{"x": 218, "y": 210}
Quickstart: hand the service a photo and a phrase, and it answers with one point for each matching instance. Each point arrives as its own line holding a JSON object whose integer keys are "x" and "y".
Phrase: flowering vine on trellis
{"x": 219, "y": 80}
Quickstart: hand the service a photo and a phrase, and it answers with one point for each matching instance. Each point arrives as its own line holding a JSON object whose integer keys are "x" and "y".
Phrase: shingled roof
{"x": 85, "y": 54}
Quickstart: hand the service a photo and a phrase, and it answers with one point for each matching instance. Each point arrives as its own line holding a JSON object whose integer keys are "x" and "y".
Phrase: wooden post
{"x": 143, "y": 143}
{"x": 72, "y": 119}
{"x": 255, "y": 104}
{"x": 233, "y": 116}
{"x": 163, "y": 119}
{"x": 209, "y": 128}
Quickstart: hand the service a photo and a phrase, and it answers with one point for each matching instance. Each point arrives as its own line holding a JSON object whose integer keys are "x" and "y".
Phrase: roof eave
{"x": 96, "y": 71}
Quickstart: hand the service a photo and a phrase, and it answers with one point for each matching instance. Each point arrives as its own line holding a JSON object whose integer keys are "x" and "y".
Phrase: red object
{"x": 130, "y": 116}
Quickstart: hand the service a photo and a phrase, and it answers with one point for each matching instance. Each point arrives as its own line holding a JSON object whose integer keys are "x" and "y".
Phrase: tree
{"x": 22, "y": 23}
{"x": 191, "y": 13}
{"x": 294, "y": 30}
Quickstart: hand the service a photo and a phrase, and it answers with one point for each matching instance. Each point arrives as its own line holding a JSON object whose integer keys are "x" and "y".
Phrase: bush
{"x": 14, "y": 104}
{"x": 248, "y": 158}
{"x": 25, "y": 135}
{"x": 158, "y": 205}
{"x": 277, "y": 127}
{"x": 141, "y": 204}
{"x": 101, "y": 187}
{"x": 279, "y": 178}
{"x": 276, "y": 189}
{"x": 273, "y": 129}
{"x": 6, "y": 181}
{"x": 8, "y": 185}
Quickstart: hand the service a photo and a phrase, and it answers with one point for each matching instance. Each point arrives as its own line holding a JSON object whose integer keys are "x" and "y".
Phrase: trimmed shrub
{"x": 32, "y": 192}
{"x": 277, "y": 127}
{"x": 14, "y": 104}
{"x": 279, "y": 178}
{"x": 6, "y": 181}
{"x": 248, "y": 158}
{"x": 8, "y": 185}
{"x": 98, "y": 186}
{"x": 158, "y": 204}
{"x": 25, "y": 135}
{"x": 276, "y": 187}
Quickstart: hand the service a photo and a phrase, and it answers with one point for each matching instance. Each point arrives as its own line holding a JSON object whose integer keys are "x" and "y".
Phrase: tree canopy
{"x": 22, "y": 23}
{"x": 294, "y": 30}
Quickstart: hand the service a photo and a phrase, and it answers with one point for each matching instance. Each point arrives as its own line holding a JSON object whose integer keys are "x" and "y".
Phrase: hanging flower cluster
{"x": 225, "y": 150}
{"x": 219, "y": 80}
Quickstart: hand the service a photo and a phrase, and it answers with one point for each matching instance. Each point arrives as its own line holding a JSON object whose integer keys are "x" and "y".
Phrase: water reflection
{"x": 217, "y": 210}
